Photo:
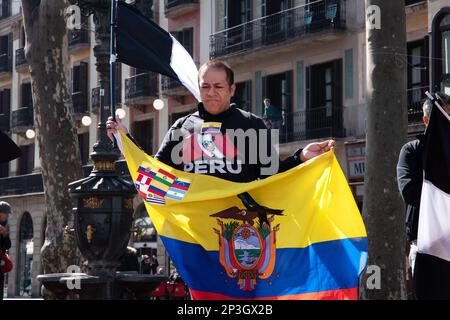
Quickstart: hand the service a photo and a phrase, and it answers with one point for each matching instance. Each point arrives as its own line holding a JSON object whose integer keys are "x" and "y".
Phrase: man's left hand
{"x": 315, "y": 149}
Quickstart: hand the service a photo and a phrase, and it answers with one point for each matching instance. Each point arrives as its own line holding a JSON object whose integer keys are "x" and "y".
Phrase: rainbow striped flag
{"x": 211, "y": 127}
{"x": 313, "y": 244}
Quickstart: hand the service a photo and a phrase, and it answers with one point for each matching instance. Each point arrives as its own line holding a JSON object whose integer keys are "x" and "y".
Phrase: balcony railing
{"x": 168, "y": 84}
{"x": 22, "y": 119}
{"x": 279, "y": 27}
{"x": 95, "y": 98}
{"x": 316, "y": 123}
{"x": 4, "y": 122}
{"x": 5, "y": 63}
{"x": 176, "y": 7}
{"x": 29, "y": 183}
{"x": 21, "y": 61}
{"x": 80, "y": 102}
{"x": 78, "y": 37}
{"x": 415, "y": 100}
{"x": 140, "y": 88}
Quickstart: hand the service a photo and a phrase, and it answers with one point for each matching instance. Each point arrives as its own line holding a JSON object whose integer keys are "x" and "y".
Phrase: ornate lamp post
{"x": 103, "y": 201}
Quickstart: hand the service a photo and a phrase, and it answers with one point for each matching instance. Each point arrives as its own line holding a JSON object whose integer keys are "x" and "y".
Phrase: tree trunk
{"x": 386, "y": 133}
{"x": 47, "y": 54}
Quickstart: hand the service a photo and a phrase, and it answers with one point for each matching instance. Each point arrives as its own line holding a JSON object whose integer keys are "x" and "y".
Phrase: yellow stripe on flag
{"x": 317, "y": 202}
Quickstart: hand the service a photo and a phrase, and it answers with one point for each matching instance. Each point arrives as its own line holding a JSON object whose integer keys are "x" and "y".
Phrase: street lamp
{"x": 103, "y": 201}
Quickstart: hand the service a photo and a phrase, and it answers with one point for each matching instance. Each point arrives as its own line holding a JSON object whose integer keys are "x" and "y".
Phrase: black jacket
{"x": 410, "y": 179}
{"x": 5, "y": 242}
{"x": 228, "y": 167}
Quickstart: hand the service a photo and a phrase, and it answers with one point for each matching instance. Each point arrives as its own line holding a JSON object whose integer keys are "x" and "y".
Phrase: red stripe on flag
{"x": 343, "y": 294}
{"x": 167, "y": 174}
{"x": 179, "y": 186}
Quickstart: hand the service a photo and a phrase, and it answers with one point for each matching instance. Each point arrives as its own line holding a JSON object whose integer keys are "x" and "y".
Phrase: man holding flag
{"x": 205, "y": 146}
{"x": 208, "y": 130}
{"x": 432, "y": 266}
{"x": 294, "y": 235}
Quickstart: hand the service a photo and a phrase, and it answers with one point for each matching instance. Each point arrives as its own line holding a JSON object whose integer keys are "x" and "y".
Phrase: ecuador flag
{"x": 294, "y": 235}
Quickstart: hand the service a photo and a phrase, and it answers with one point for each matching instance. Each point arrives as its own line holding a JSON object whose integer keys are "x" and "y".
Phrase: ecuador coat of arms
{"x": 247, "y": 250}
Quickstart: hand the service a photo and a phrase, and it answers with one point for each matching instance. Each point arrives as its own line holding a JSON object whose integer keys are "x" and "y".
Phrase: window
{"x": 186, "y": 38}
{"x": 5, "y": 8}
{"x": 142, "y": 131}
{"x": 237, "y": 12}
{"x": 417, "y": 72}
{"x": 26, "y": 161}
{"x": 324, "y": 115}
{"x": 83, "y": 143}
{"x": 243, "y": 95}
{"x": 25, "y": 256}
{"x": 80, "y": 87}
{"x": 5, "y": 109}
{"x": 26, "y": 95}
{"x": 5, "y": 102}
{"x": 4, "y": 170}
{"x": 6, "y": 53}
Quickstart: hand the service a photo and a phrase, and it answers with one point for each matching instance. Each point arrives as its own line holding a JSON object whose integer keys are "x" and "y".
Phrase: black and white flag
{"x": 432, "y": 268}
{"x": 141, "y": 43}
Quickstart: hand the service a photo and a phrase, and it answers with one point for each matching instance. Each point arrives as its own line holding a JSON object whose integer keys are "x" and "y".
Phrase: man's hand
{"x": 316, "y": 149}
{"x": 112, "y": 127}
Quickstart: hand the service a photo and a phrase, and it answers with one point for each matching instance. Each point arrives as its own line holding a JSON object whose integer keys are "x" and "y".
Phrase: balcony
{"x": 171, "y": 87}
{"x": 4, "y": 122}
{"x": 29, "y": 183}
{"x": 415, "y": 100}
{"x": 317, "y": 123}
{"x": 175, "y": 8}
{"x": 22, "y": 119}
{"x": 21, "y": 61}
{"x": 141, "y": 89}
{"x": 80, "y": 103}
{"x": 78, "y": 39}
{"x": 5, "y": 63}
{"x": 324, "y": 17}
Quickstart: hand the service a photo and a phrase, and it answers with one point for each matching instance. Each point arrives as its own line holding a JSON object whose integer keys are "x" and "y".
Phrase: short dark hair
{"x": 221, "y": 65}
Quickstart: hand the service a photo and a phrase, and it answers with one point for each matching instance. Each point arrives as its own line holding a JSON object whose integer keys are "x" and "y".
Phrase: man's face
{"x": 214, "y": 90}
{"x": 3, "y": 217}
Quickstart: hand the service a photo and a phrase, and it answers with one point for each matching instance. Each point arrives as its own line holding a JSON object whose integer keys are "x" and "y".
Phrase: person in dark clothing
{"x": 129, "y": 261}
{"x": 410, "y": 179}
{"x": 5, "y": 242}
{"x": 205, "y": 141}
{"x": 149, "y": 264}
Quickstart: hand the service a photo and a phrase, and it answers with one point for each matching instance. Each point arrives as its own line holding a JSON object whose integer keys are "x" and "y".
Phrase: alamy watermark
{"x": 373, "y": 17}
{"x": 73, "y": 283}
{"x": 73, "y": 13}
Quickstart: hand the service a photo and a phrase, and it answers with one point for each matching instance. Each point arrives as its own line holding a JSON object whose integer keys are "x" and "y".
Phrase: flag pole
{"x": 436, "y": 103}
{"x": 112, "y": 61}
